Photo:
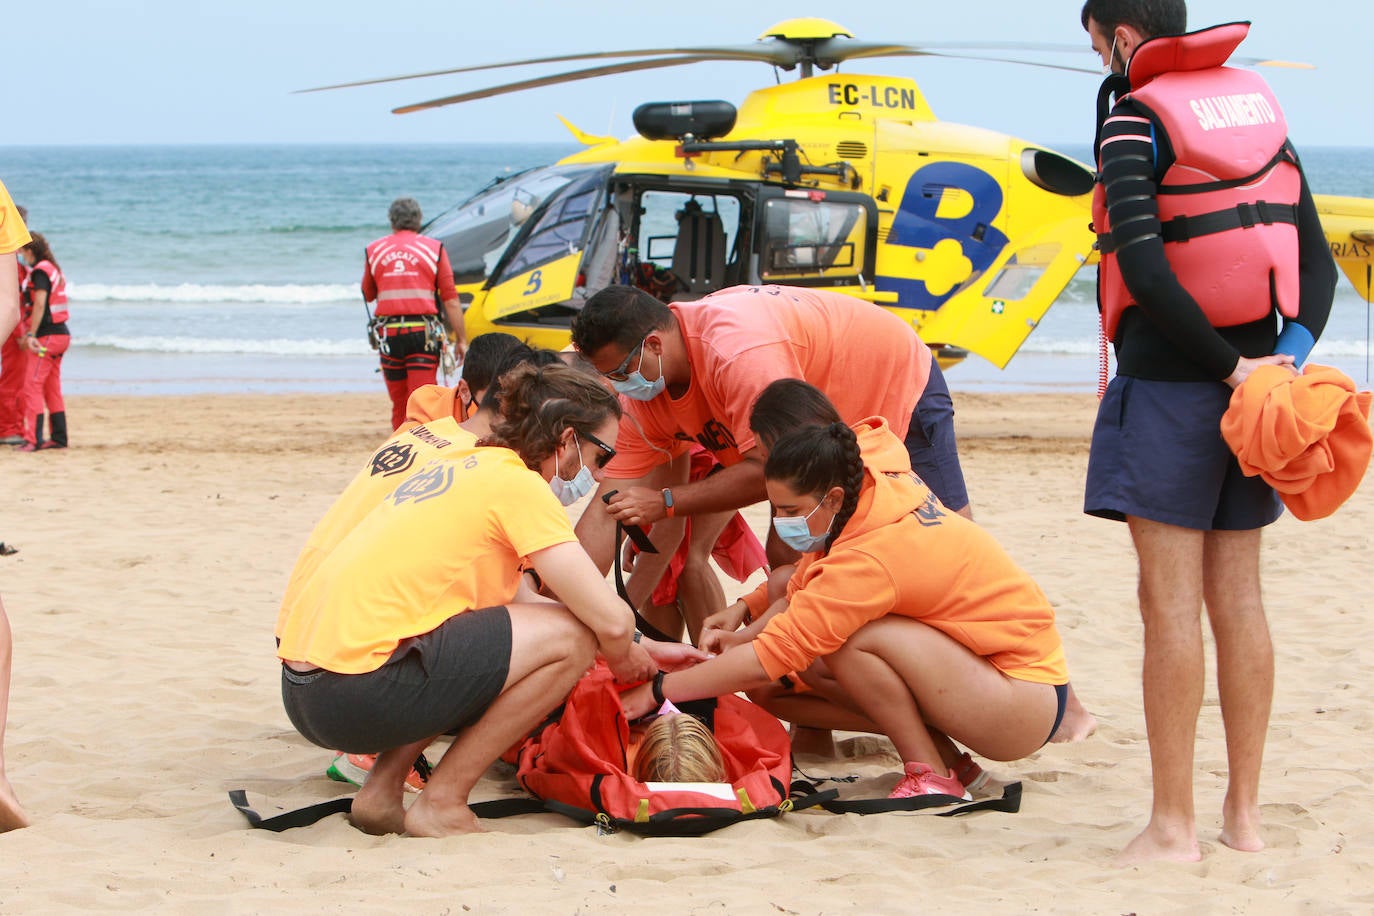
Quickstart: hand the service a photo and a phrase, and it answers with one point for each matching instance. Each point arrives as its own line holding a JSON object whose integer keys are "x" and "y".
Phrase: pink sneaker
{"x": 919, "y": 779}
{"x": 968, "y": 772}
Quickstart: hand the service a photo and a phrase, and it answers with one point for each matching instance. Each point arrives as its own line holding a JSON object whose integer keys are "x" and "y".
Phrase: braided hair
{"x": 539, "y": 402}
{"x": 815, "y": 458}
{"x": 786, "y": 405}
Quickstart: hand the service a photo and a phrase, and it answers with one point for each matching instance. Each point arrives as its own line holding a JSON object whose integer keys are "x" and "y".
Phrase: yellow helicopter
{"x": 842, "y": 182}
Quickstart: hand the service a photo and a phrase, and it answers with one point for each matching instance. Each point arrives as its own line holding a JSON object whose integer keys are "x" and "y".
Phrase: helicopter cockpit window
{"x": 560, "y": 226}
{"x": 477, "y": 232}
{"x": 809, "y": 238}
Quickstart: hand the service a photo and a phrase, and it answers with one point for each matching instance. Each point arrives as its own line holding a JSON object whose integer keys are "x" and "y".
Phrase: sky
{"x": 188, "y": 71}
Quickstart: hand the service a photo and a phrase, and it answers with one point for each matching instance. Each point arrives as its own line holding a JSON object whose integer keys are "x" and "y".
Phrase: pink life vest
{"x": 57, "y": 296}
{"x": 1228, "y": 204}
{"x": 405, "y": 266}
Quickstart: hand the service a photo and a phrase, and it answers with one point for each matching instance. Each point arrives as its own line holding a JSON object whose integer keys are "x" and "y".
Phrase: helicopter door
{"x": 815, "y": 238}
{"x": 689, "y": 242}
{"x": 543, "y": 266}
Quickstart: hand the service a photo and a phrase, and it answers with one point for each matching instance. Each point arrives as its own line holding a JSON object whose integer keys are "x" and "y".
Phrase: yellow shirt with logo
{"x": 450, "y": 537}
{"x": 13, "y": 233}
{"x": 407, "y": 449}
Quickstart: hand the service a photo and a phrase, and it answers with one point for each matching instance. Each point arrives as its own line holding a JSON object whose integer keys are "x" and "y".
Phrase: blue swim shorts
{"x": 931, "y": 444}
{"x": 1157, "y": 453}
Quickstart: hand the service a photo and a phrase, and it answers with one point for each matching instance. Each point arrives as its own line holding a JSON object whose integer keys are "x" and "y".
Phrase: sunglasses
{"x": 607, "y": 453}
{"x": 622, "y": 372}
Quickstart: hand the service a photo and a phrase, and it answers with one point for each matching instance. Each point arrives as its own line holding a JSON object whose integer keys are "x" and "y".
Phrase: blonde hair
{"x": 679, "y": 748}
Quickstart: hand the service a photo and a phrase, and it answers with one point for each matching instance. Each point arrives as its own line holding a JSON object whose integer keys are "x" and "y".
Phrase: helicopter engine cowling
{"x": 676, "y": 120}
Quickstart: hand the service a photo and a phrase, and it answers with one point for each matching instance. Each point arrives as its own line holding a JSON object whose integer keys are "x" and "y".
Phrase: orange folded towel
{"x": 1306, "y": 435}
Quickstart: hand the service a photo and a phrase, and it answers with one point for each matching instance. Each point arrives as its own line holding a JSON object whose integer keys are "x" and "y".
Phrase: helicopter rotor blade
{"x": 780, "y": 55}
{"x": 572, "y": 76}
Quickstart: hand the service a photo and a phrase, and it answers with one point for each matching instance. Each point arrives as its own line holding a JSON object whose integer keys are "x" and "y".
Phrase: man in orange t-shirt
{"x": 691, "y": 372}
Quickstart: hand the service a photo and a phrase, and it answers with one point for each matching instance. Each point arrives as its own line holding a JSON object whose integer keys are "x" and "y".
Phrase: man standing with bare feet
{"x": 1208, "y": 234}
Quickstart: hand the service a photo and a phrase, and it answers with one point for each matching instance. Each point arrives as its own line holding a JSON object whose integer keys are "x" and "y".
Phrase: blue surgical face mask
{"x": 636, "y": 386}
{"x": 570, "y": 491}
{"x": 795, "y": 532}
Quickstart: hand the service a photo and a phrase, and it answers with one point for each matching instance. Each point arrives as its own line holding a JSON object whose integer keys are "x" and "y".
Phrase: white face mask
{"x": 570, "y": 491}
{"x": 1111, "y": 59}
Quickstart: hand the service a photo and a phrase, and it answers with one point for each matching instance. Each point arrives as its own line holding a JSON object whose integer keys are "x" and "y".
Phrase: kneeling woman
{"x": 928, "y": 626}
{"x": 417, "y": 623}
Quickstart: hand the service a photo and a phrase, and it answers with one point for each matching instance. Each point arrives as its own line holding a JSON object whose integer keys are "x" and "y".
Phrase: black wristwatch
{"x": 658, "y": 688}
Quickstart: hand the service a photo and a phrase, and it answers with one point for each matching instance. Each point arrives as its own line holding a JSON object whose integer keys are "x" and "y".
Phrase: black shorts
{"x": 433, "y": 684}
{"x": 931, "y": 444}
{"x": 1157, "y": 453}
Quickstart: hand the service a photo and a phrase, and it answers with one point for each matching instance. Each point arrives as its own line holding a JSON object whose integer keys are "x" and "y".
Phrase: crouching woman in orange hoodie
{"x": 926, "y": 624}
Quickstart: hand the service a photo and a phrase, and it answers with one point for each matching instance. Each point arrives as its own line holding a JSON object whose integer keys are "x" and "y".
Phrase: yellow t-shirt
{"x": 13, "y": 233}
{"x": 390, "y": 464}
{"x": 449, "y": 538}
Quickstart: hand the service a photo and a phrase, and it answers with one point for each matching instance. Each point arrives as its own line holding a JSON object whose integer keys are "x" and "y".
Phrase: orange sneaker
{"x": 919, "y": 779}
{"x": 355, "y": 767}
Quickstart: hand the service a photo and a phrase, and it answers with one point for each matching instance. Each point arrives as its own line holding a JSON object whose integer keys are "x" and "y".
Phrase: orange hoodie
{"x": 902, "y": 552}
{"x": 1307, "y": 435}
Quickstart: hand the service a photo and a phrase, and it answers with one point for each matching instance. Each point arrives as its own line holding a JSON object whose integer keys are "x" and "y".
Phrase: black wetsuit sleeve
{"x": 1317, "y": 276}
{"x": 1132, "y": 160}
{"x": 39, "y": 279}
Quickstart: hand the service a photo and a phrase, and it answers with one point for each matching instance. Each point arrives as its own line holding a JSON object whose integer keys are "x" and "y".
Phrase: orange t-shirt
{"x": 867, "y": 361}
{"x": 449, "y": 538}
{"x": 904, "y": 553}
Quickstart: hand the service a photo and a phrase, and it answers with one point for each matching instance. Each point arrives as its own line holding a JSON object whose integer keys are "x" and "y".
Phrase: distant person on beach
{"x": 906, "y": 619}
{"x": 690, "y": 371}
{"x": 419, "y": 621}
{"x": 405, "y": 275}
{"x": 1192, "y": 151}
{"x": 47, "y": 339}
{"x": 13, "y": 236}
{"x": 12, "y": 359}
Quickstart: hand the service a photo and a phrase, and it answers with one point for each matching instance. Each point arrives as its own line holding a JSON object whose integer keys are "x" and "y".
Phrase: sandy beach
{"x": 153, "y": 555}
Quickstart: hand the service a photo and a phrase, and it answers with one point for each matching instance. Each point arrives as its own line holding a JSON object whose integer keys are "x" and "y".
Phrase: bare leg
{"x": 550, "y": 650}
{"x": 699, "y": 591}
{"x": 1077, "y": 723}
{"x": 1245, "y": 675}
{"x": 12, "y": 816}
{"x": 377, "y": 808}
{"x": 900, "y": 671}
{"x": 1171, "y": 567}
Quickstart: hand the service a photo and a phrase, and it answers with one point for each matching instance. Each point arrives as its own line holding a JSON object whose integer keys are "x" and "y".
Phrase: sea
{"x": 221, "y": 269}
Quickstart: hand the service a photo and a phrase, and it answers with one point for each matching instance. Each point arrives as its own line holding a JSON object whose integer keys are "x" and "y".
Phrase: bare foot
{"x": 1157, "y": 844}
{"x": 12, "y": 816}
{"x": 378, "y": 813}
{"x": 1077, "y": 723}
{"x": 816, "y": 742}
{"x": 1241, "y": 831}
{"x": 430, "y": 819}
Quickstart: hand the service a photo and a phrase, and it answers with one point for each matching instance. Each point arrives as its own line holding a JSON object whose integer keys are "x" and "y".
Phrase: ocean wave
{"x": 278, "y": 346}
{"x": 290, "y": 293}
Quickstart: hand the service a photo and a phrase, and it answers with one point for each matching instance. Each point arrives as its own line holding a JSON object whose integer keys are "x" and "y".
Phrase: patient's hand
{"x": 638, "y": 702}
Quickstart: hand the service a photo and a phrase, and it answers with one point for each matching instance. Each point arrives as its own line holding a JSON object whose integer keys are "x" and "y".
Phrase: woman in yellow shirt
{"x": 418, "y": 623}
